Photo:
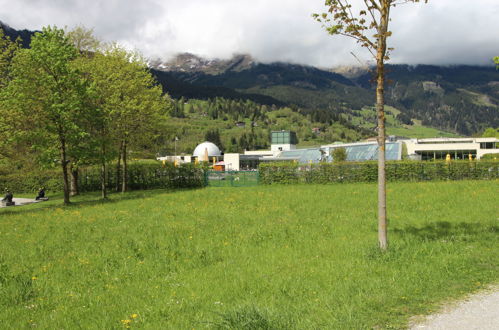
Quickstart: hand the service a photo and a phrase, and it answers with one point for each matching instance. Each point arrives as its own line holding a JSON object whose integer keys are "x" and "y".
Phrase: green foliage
{"x": 141, "y": 175}
{"x": 491, "y": 132}
{"x": 285, "y": 173}
{"x": 7, "y": 52}
{"x": 45, "y": 97}
{"x": 339, "y": 155}
{"x": 274, "y": 256}
{"x": 490, "y": 156}
{"x": 213, "y": 136}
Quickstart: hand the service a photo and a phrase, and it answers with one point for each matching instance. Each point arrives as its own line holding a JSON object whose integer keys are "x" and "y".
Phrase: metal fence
{"x": 231, "y": 178}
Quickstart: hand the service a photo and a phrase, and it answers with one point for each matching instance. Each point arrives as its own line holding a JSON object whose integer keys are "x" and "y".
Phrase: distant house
{"x": 316, "y": 130}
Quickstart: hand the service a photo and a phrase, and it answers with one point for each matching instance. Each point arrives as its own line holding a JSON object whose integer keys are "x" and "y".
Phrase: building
{"x": 283, "y": 141}
{"x": 283, "y": 148}
{"x": 457, "y": 148}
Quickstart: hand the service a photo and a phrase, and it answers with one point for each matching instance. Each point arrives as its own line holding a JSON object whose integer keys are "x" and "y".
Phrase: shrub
{"x": 339, "y": 154}
{"x": 140, "y": 176}
{"x": 284, "y": 173}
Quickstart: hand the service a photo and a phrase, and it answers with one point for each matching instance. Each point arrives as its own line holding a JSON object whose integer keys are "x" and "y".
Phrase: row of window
{"x": 489, "y": 145}
{"x": 454, "y": 154}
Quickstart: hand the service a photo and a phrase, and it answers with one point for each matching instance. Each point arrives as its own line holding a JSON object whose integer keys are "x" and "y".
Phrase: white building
{"x": 457, "y": 148}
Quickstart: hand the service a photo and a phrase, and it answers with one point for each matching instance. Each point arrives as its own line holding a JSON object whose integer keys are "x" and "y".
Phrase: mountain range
{"x": 460, "y": 99}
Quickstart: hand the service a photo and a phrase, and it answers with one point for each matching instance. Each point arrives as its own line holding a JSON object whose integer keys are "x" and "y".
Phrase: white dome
{"x": 211, "y": 147}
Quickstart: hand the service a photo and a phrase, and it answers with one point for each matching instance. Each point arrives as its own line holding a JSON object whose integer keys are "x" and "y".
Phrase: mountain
{"x": 461, "y": 99}
{"x": 187, "y": 62}
{"x": 13, "y": 34}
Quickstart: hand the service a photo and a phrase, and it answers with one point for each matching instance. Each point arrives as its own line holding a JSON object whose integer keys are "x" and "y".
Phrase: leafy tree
{"x": 213, "y": 136}
{"x": 7, "y": 52}
{"x": 339, "y": 154}
{"x": 129, "y": 101}
{"x": 491, "y": 132}
{"x": 496, "y": 61}
{"x": 84, "y": 40}
{"x": 87, "y": 45}
{"x": 45, "y": 98}
{"x": 370, "y": 29}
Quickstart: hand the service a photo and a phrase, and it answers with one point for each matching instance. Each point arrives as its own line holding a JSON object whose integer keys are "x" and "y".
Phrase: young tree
{"x": 369, "y": 27}
{"x": 44, "y": 97}
{"x": 128, "y": 102}
{"x": 339, "y": 155}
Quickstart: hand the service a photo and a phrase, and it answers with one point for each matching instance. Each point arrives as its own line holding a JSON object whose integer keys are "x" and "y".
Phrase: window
{"x": 488, "y": 145}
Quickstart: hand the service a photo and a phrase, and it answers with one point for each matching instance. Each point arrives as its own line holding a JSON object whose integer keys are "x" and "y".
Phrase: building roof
{"x": 210, "y": 147}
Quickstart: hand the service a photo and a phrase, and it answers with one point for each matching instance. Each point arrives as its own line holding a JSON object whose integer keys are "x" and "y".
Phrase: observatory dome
{"x": 211, "y": 147}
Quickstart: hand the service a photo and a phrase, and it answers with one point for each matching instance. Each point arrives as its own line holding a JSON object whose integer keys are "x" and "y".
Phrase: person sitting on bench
{"x": 7, "y": 200}
{"x": 41, "y": 195}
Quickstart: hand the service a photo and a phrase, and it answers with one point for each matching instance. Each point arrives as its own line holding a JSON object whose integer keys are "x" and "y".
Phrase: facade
{"x": 457, "y": 148}
{"x": 283, "y": 141}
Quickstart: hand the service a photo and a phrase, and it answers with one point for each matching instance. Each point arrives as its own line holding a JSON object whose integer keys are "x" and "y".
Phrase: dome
{"x": 210, "y": 147}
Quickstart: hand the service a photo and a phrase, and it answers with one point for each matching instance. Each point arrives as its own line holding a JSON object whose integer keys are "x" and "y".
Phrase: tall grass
{"x": 267, "y": 257}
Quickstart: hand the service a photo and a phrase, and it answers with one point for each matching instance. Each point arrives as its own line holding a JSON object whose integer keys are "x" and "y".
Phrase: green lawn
{"x": 265, "y": 257}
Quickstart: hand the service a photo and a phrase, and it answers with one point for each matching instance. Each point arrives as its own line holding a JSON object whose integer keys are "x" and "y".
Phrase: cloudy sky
{"x": 440, "y": 32}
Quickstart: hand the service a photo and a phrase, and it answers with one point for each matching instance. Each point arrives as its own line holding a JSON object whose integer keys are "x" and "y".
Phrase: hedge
{"x": 290, "y": 173}
{"x": 140, "y": 176}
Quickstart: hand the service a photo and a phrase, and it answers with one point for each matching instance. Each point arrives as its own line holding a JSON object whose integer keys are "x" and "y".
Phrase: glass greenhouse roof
{"x": 355, "y": 152}
{"x": 302, "y": 155}
{"x": 363, "y": 152}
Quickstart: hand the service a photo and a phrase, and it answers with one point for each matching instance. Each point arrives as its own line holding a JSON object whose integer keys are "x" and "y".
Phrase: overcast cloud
{"x": 441, "y": 32}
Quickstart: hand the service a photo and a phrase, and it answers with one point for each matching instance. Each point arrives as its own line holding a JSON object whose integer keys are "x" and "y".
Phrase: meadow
{"x": 264, "y": 257}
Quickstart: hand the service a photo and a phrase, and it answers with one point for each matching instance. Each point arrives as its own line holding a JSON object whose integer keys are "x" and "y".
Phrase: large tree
{"x": 128, "y": 102}
{"x": 368, "y": 25}
{"x": 7, "y": 52}
{"x": 45, "y": 99}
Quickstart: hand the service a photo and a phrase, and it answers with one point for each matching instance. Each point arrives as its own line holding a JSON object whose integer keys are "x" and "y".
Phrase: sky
{"x": 442, "y": 32}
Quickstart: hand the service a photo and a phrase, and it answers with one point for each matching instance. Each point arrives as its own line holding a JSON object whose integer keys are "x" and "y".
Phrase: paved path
{"x": 480, "y": 311}
{"x": 21, "y": 201}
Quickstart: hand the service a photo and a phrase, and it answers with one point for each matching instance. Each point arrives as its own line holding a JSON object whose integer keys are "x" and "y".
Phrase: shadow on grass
{"x": 444, "y": 230}
{"x": 89, "y": 199}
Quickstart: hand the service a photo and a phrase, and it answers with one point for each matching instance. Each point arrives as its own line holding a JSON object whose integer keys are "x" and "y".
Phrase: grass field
{"x": 265, "y": 257}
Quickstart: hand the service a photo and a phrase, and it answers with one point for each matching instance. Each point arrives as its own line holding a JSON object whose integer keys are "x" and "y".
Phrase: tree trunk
{"x": 118, "y": 168}
{"x": 124, "y": 180}
{"x": 380, "y": 109}
{"x": 74, "y": 189}
{"x": 103, "y": 173}
{"x": 64, "y": 165}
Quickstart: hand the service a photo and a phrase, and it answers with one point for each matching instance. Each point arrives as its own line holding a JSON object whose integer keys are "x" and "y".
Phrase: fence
{"x": 231, "y": 178}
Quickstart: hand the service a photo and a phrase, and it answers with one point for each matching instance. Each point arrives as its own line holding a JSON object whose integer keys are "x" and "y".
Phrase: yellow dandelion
{"x": 134, "y": 316}
{"x": 34, "y": 278}
{"x": 126, "y": 323}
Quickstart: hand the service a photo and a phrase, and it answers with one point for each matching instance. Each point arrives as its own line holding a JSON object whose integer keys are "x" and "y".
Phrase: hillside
{"x": 238, "y": 125}
{"x": 461, "y": 99}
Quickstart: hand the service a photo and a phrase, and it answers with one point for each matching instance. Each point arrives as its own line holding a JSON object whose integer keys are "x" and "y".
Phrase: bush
{"x": 339, "y": 154}
{"x": 140, "y": 176}
{"x": 490, "y": 156}
{"x": 285, "y": 173}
